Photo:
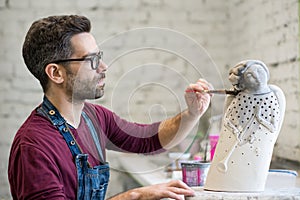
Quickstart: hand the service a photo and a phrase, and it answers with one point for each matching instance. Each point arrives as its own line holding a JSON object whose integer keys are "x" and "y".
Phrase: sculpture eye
{"x": 249, "y": 75}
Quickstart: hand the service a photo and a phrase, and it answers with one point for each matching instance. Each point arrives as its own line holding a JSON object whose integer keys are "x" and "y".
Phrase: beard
{"x": 81, "y": 88}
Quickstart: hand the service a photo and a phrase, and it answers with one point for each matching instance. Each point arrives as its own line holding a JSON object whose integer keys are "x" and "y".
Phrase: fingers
{"x": 174, "y": 189}
{"x": 205, "y": 84}
{"x": 177, "y": 193}
{"x": 197, "y": 100}
{"x": 178, "y": 183}
{"x": 180, "y": 187}
{"x": 199, "y": 86}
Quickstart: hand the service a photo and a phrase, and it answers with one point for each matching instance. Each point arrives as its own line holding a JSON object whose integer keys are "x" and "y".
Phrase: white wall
{"x": 269, "y": 30}
{"x": 209, "y": 37}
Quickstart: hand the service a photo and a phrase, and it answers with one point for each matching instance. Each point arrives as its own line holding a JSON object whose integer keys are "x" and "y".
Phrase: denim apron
{"x": 92, "y": 182}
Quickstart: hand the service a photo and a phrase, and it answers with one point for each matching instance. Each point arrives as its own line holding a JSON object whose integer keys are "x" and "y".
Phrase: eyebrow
{"x": 91, "y": 54}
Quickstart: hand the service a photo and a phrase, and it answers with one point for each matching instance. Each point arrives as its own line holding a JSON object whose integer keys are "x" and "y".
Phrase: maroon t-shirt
{"x": 41, "y": 165}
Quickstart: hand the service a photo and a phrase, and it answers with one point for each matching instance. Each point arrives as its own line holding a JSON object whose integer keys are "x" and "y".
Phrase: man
{"x": 53, "y": 153}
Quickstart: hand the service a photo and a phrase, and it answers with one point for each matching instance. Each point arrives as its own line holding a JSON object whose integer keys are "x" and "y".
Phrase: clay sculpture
{"x": 250, "y": 127}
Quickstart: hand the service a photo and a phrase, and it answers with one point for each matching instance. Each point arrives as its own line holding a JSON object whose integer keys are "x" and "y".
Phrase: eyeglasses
{"x": 94, "y": 58}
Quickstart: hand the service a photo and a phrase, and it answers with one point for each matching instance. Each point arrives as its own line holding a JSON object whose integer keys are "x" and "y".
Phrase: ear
{"x": 55, "y": 73}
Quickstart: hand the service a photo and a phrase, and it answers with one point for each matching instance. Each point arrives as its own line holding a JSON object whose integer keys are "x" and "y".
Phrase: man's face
{"x": 83, "y": 82}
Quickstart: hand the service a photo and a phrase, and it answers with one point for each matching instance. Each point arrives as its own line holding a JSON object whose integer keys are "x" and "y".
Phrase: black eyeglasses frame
{"x": 91, "y": 57}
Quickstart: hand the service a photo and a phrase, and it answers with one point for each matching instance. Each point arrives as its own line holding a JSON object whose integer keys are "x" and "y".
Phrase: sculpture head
{"x": 250, "y": 76}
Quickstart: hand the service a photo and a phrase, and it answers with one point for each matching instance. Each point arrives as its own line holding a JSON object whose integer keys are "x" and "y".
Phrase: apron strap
{"x": 94, "y": 134}
{"x": 47, "y": 109}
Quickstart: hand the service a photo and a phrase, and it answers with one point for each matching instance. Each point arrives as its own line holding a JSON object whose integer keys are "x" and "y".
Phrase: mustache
{"x": 102, "y": 75}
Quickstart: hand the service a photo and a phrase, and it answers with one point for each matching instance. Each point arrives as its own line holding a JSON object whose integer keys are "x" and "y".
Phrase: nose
{"x": 102, "y": 67}
{"x": 234, "y": 79}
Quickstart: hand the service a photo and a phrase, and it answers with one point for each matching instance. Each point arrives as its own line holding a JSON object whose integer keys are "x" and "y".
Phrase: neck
{"x": 68, "y": 109}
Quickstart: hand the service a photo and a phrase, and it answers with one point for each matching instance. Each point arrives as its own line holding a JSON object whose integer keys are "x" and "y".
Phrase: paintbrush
{"x": 221, "y": 91}
{"x": 231, "y": 92}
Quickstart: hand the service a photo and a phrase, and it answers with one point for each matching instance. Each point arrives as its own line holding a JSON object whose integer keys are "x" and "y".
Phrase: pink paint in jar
{"x": 194, "y": 172}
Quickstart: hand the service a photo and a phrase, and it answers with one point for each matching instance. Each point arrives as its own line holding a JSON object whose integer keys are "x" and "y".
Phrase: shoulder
{"x": 96, "y": 108}
{"x": 34, "y": 127}
{"x": 36, "y": 133}
{"x": 100, "y": 115}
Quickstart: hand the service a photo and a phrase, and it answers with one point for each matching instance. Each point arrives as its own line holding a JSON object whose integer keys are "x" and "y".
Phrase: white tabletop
{"x": 268, "y": 194}
{"x": 147, "y": 172}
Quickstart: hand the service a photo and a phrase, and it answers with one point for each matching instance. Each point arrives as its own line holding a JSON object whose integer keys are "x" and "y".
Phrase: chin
{"x": 89, "y": 96}
{"x": 99, "y": 94}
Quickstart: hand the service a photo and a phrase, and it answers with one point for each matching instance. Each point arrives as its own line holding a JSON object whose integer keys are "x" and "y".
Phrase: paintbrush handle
{"x": 232, "y": 92}
{"x": 223, "y": 92}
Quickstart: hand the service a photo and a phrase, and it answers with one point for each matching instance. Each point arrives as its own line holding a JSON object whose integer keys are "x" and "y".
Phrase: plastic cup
{"x": 213, "y": 139}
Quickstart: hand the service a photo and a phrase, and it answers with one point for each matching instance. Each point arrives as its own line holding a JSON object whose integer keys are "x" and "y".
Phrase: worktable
{"x": 148, "y": 170}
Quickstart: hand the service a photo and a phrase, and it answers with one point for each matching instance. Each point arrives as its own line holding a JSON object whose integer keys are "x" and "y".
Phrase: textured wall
{"x": 150, "y": 67}
{"x": 270, "y": 32}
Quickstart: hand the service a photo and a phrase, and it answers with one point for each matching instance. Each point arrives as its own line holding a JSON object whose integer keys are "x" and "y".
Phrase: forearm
{"x": 172, "y": 131}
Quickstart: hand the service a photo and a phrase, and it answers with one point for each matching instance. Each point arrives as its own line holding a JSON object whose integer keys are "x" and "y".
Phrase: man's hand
{"x": 196, "y": 100}
{"x": 173, "y": 130}
{"x": 174, "y": 189}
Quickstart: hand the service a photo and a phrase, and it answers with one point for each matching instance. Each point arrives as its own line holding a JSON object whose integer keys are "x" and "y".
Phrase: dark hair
{"x": 48, "y": 39}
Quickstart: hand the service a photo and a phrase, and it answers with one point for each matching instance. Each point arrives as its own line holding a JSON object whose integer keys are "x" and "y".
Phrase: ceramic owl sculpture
{"x": 250, "y": 127}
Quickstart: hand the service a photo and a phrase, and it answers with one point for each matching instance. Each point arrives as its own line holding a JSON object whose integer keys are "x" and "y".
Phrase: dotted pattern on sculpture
{"x": 247, "y": 113}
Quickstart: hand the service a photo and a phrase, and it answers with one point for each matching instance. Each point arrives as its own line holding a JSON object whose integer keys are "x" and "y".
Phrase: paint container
{"x": 194, "y": 172}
